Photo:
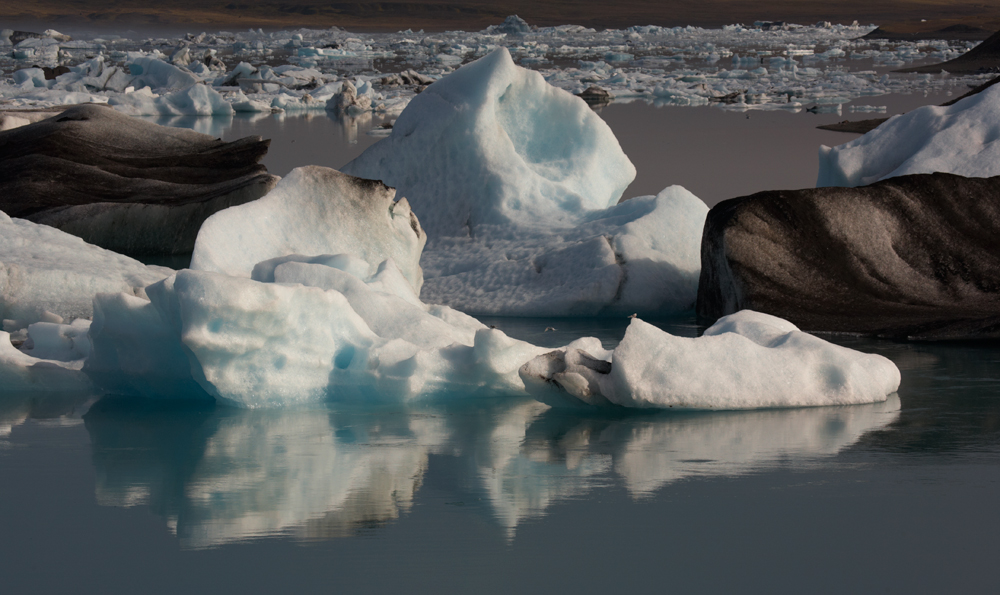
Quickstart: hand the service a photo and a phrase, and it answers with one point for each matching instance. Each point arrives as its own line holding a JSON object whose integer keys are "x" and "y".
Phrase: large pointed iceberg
{"x": 493, "y": 143}
{"x": 518, "y": 185}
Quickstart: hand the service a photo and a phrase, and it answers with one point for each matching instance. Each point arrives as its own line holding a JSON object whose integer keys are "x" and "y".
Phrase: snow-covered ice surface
{"x": 747, "y": 67}
{"x": 48, "y": 275}
{"x": 746, "y": 360}
{"x": 314, "y": 210}
{"x": 517, "y": 184}
{"x": 961, "y": 139}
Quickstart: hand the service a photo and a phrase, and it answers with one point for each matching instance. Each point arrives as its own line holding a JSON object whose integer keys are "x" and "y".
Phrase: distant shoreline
{"x": 905, "y": 16}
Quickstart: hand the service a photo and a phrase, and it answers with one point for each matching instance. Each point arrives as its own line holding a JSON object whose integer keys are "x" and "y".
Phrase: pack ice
{"x": 745, "y": 360}
{"x": 959, "y": 139}
{"x": 517, "y": 184}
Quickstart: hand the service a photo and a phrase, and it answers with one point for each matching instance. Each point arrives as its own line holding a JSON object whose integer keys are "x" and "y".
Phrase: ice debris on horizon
{"x": 959, "y": 139}
{"x": 755, "y": 67}
{"x": 746, "y": 360}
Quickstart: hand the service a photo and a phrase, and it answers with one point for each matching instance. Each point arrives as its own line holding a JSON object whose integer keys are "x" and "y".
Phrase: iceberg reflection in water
{"x": 221, "y": 475}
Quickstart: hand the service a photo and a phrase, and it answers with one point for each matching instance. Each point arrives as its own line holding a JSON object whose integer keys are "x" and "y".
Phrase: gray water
{"x": 501, "y": 496}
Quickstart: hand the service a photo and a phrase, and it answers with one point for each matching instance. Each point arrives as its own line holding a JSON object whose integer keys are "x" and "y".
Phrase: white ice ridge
{"x": 314, "y": 210}
{"x": 746, "y": 360}
{"x": 494, "y": 144}
{"x": 961, "y": 139}
{"x": 49, "y": 275}
{"x": 517, "y": 184}
{"x": 320, "y": 330}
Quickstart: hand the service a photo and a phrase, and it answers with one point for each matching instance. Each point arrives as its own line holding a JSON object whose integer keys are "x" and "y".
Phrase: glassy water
{"x": 503, "y": 495}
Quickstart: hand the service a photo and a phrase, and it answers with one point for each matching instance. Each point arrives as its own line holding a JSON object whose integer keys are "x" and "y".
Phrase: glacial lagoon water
{"x": 109, "y": 496}
{"x": 502, "y": 496}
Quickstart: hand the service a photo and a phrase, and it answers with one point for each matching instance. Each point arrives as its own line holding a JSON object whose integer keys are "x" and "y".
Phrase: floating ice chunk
{"x": 314, "y": 210}
{"x": 49, "y": 360}
{"x": 45, "y": 270}
{"x": 959, "y": 139}
{"x": 745, "y": 360}
{"x": 493, "y": 143}
{"x": 317, "y": 333}
{"x": 155, "y": 73}
{"x": 196, "y": 100}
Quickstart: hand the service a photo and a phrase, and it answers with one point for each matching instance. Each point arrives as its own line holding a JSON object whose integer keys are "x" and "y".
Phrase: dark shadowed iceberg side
{"x": 914, "y": 256}
{"x": 125, "y": 184}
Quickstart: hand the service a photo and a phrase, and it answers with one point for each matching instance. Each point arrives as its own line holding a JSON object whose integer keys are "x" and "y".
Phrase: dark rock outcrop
{"x": 913, "y": 257}
{"x": 596, "y": 96}
{"x": 123, "y": 183}
{"x": 958, "y": 32}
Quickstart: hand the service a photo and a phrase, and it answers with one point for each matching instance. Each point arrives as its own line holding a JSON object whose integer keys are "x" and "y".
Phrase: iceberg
{"x": 959, "y": 139}
{"x": 746, "y": 360}
{"x": 493, "y": 143}
{"x": 314, "y": 210}
{"x": 317, "y": 332}
{"x": 640, "y": 256}
{"x": 194, "y": 100}
{"x": 49, "y": 275}
{"x": 517, "y": 184}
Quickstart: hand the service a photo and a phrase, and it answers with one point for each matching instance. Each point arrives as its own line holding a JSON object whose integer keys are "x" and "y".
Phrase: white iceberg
{"x": 746, "y": 360}
{"x": 960, "y": 139}
{"x": 195, "y": 100}
{"x": 493, "y": 143}
{"x": 316, "y": 332}
{"x": 50, "y": 360}
{"x": 517, "y": 184}
{"x": 49, "y": 275}
{"x": 313, "y": 210}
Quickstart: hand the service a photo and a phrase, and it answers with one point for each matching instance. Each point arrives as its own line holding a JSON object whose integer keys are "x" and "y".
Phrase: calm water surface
{"x": 500, "y": 496}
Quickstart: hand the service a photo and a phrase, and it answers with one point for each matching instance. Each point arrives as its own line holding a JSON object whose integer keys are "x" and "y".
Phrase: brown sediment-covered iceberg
{"x": 910, "y": 257}
{"x": 123, "y": 183}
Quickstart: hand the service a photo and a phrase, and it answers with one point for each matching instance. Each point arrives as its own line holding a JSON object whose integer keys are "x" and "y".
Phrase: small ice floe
{"x": 745, "y": 360}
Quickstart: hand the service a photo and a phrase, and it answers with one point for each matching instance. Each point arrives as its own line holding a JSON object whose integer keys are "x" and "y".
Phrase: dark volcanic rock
{"x": 911, "y": 257}
{"x": 123, "y": 183}
{"x": 951, "y": 33}
{"x": 596, "y": 96}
